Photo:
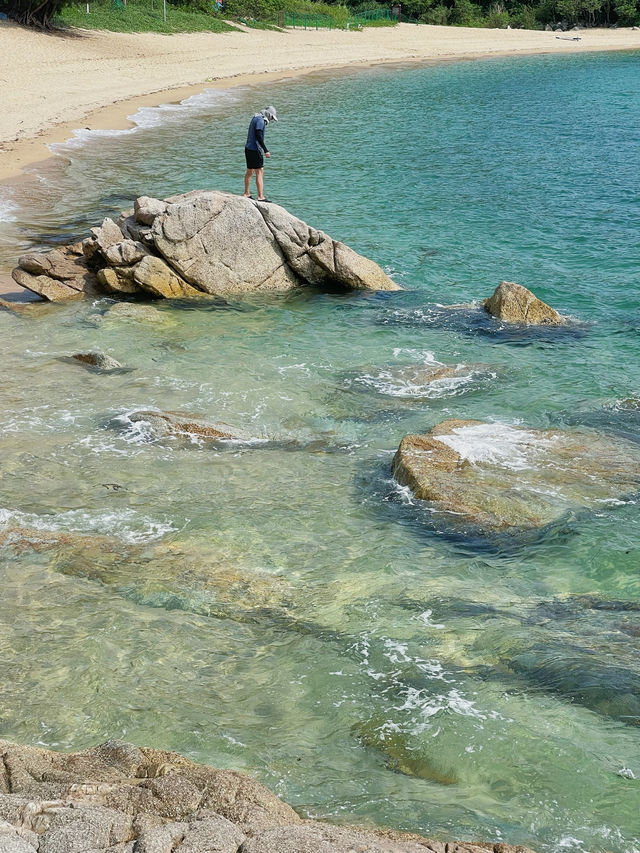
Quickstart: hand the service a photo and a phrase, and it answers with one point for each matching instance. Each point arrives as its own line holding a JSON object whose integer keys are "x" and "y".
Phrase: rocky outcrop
{"x": 496, "y": 477}
{"x": 513, "y": 303}
{"x": 202, "y": 242}
{"x": 58, "y": 275}
{"x": 120, "y": 798}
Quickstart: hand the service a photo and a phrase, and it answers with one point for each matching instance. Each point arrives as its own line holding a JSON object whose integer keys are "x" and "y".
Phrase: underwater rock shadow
{"x": 621, "y": 418}
{"x": 578, "y": 649}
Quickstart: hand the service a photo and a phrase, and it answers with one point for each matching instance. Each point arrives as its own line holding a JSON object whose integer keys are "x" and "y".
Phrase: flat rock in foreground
{"x": 202, "y": 242}
{"x": 119, "y": 798}
{"x": 513, "y": 303}
{"x": 499, "y": 478}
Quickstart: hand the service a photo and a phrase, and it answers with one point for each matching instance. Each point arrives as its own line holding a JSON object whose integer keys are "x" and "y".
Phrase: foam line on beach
{"x": 146, "y": 118}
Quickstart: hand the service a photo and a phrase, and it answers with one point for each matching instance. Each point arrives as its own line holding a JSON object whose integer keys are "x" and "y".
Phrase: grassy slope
{"x": 139, "y": 18}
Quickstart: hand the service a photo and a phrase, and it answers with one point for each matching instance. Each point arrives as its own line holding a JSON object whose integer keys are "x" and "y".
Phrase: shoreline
{"x": 406, "y": 44}
{"x": 29, "y": 127}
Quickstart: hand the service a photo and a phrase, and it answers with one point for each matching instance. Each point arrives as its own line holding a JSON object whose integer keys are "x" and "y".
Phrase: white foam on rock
{"x": 386, "y": 382}
{"x": 497, "y": 444}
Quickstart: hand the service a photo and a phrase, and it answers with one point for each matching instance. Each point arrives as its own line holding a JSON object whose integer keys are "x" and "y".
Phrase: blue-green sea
{"x": 287, "y": 610}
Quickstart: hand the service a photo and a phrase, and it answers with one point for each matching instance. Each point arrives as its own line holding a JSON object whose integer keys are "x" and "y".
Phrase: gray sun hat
{"x": 270, "y": 113}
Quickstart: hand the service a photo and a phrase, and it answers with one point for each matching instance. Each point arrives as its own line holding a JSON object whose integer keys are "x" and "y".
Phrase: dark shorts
{"x": 254, "y": 159}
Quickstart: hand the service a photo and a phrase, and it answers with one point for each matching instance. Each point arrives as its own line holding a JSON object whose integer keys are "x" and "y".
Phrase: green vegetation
{"x": 138, "y": 17}
{"x": 533, "y": 15}
{"x": 271, "y": 11}
{"x": 199, "y": 15}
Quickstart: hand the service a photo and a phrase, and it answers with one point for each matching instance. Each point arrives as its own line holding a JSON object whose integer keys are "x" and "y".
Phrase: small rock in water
{"x": 181, "y": 426}
{"x": 98, "y": 360}
{"x": 501, "y": 478}
{"x": 513, "y": 303}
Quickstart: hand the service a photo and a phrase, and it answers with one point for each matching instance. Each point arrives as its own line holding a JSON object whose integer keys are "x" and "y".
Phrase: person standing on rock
{"x": 253, "y": 151}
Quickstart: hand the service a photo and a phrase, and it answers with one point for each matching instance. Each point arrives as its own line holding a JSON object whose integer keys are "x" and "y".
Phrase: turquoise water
{"x": 284, "y": 610}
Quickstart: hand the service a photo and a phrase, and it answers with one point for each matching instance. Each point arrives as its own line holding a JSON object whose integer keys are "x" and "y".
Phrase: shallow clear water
{"x": 285, "y": 609}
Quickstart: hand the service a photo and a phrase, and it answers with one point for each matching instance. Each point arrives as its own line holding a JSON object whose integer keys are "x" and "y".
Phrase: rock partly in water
{"x": 117, "y": 281}
{"x": 57, "y": 276}
{"x": 98, "y": 360}
{"x": 500, "y": 478}
{"x": 122, "y": 798}
{"x": 202, "y": 242}
{"x": 513, "y": 303}
{"x": 176, "y": 425}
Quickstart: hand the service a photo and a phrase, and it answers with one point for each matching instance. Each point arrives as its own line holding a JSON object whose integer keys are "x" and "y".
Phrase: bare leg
{"x": 247, "y": 181}
{"x": 260, "y": 182}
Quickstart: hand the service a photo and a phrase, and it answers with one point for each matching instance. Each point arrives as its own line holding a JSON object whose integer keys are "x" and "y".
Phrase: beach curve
{"x": 54, "y": 83}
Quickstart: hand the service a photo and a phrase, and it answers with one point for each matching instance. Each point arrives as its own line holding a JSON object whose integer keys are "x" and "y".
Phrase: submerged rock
{"x": 503, "y": 478}
{"x": 202, "y": 242}
{"x": 607, "y": 686}
{"x": 513, "y": 303}
{"x": 124, "y": 798}
{"x": 137, "y": 313}
{"x": 399, "y": 755}
{"x": 421, "y": 381}
{"x": 171, "y": 576}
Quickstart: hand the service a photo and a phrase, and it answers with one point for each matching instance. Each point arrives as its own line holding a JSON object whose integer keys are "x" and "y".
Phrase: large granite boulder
{"x": 202, "y": 242}
{"x": 513, "y": 303}
{"x": 497, "y": 477}
{"x": 120, "y": 798}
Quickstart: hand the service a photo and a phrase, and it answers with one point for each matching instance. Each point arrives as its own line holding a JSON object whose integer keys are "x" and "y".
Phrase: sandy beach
{"x": 54, "y": 83}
